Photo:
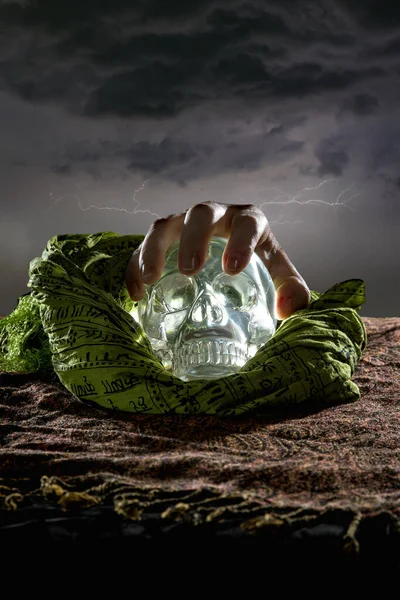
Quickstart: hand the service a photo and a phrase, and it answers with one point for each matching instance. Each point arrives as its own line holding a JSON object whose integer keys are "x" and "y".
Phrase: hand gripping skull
{"x": 208, "y": 325}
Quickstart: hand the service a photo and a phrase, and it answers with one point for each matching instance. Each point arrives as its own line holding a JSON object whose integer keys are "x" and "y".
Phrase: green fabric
{"x": 77, "y": 322}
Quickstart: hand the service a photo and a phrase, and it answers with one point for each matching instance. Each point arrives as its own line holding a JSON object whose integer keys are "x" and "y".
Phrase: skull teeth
{"x": 211, "y": 353}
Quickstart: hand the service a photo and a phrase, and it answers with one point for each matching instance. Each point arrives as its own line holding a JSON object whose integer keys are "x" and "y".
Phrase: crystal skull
{"x": 210, "y": 324}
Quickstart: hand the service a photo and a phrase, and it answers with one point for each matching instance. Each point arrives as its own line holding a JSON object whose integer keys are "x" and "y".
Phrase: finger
{"x": 247, "y": 229}
{"x": 209, "y": 219}
{"x": 292, "y": 295}
{"x": 132, "y": 277}
{"x": 202, "y": 221}
{"x": 250, "y": 231}
{"x": 147, "y": 262}
{"x": 292, "y": 292}
{"x": 247, "y": 224}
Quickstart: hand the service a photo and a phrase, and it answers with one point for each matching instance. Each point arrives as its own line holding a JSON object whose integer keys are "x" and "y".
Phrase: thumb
{"x": 291, "y": 295}
{"x": 292, "y": 292}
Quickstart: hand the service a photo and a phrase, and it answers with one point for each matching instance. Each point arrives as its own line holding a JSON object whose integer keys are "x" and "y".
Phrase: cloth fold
{"x": 77, "y": 322}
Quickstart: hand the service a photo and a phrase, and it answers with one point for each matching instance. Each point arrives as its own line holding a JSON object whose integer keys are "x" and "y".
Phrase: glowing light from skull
{"x": 210, "y": 324}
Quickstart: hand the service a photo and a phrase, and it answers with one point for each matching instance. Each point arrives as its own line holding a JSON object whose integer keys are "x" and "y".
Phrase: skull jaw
{"x": 208, "y": 365}
{"x": 199, "y": 371}
{"x": 206, "y": 372}
{"x": 209, "y": 360}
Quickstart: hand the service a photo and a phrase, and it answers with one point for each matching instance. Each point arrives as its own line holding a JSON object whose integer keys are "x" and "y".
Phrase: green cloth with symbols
{"x": 76, "y": 323}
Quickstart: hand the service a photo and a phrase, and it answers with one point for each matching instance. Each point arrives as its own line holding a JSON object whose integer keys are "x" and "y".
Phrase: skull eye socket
{"x": 177, "y": 292}
{"x": 237, "y": 292}
{"x": 174, "y": 292}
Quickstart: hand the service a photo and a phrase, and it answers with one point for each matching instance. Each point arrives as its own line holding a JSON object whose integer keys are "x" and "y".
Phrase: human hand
{"x": 247, "y": 230}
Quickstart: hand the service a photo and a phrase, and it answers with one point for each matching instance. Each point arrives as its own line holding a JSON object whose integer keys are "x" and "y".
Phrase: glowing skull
{"x": 210, "y": 324}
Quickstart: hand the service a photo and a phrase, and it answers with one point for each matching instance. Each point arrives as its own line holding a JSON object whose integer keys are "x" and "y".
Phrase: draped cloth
{"x": 76, "y": 322}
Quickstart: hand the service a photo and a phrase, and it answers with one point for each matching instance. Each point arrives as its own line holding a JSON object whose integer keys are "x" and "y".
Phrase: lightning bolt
{"x": 135, "y": 211}
{"x": 281, "y": 199}
{"x": 295, "y": 199}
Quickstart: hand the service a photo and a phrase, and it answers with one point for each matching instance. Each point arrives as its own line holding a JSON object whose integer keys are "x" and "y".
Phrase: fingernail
{"x": 285, "y": 305}
{"x": 189, "y": 263}
{"x": 236, "y": 260}
{"x": 147, "y": 272}
{"x": 232, "y": 263}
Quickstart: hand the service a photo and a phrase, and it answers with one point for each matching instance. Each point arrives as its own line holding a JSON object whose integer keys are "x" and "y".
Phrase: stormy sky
{"x": 115, "y": 113}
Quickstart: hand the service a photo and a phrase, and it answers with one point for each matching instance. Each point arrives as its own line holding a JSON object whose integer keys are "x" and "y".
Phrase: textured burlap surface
{"x": 341, "y": 463}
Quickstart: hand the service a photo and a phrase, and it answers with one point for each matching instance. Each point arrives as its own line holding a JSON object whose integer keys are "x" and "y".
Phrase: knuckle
{"x": 241, "y": 211}
{"x": 252, "y": 210}
{"x": 175, "y": 216}
{"x": 251, "y": 222}
{"x": 270, "y": 244}
{"x": 249, "y": 216}
{"x": 247, "y": 206}
{"x": 160, "y": 221}
{"x": 208, "y": 205}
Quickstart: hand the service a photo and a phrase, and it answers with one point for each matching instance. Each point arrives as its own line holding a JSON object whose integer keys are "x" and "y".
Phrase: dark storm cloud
{"x": 65, "y": 169}
{"x": 164, "y": 90}
{"x": 155, "y": 59}
{"x": 361, "y": 104}
{"x": 61, "y": 16}
{"x": 332, "y": 156}
{"x": 386, "y": 150}
{"x": 387, "y": 50}
{"x": 145, "y": 156}
{"x": 375, "y": 14}
{"x": 248, "y": 50}
{"x": 175, "y": 158}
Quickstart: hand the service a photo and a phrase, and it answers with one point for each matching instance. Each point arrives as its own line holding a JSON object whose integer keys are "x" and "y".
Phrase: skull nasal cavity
{"x": 207, "y": 306}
